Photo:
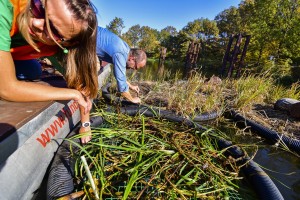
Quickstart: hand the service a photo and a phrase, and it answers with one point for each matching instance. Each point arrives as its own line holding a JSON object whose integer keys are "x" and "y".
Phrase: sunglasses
{"x": 38, "y": 11}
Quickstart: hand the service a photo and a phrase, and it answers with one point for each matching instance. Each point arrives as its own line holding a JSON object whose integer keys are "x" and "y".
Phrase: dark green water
{"x": 170, "y": 70}
{"x": 153, "y": 72}
{"x": 281, "y": 166}
{"x": 285, "y": 169}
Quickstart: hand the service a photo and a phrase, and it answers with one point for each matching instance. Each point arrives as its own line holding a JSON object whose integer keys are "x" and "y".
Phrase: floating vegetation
{"x": 150, "y": 158}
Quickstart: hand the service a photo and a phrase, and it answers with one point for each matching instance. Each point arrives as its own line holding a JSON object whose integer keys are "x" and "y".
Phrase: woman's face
{"x": 62, "y": 25}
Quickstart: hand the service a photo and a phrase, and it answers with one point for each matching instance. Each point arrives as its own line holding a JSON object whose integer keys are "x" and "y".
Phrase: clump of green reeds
{"x": 279, "y": 91}
{"x": 249, "y": 90}
{"x": 196, "y": 93}
{"x": 189, "y": 97}
{"x": 258, "y": 89}
{"x": 147, "y": 158}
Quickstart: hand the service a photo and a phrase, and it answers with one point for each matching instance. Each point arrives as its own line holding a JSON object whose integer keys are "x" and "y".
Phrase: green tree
{"x": 133, "y": 35}
{"x": 286, "y": 21}
{"x": 116, "y": 26}
{"x": 229, "y": 22}
{"x": 206, "y": 32}
{"x": 148, "y": 39}
{"x": 201, "y": 29}
{"x": 167, "y": 32}
{"x": 274, "y": 26}
{"x": 168, "y": 39}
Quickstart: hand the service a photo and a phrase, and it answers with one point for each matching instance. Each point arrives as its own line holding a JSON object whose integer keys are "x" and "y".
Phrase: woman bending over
{"x": 32, "y": 29}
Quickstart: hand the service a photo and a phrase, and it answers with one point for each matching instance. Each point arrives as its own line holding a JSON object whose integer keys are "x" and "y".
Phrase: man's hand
{"x": 86, "y": 134}
{"x": 136, "y": 100}
{"x": 135, "y": 88}
{"x": 128, "y": 96}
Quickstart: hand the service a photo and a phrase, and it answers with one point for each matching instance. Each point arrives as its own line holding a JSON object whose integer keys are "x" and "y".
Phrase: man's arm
{"x": 119, "y": 60}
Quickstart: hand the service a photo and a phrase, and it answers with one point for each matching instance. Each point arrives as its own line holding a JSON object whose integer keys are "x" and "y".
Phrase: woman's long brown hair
{"x": 81, "y": 60}
{"x": 22, "y": 21}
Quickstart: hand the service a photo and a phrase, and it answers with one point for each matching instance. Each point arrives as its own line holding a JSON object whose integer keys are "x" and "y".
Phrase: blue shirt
{"x": 112, "y": 49}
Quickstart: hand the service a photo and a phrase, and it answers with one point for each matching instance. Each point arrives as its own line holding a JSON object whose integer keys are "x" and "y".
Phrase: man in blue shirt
{"x": 112, "y": 49}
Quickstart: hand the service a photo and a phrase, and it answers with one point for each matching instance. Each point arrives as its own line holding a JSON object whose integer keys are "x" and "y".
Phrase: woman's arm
{"x": 13, "y": 90}
{"x": 85, "y": 117}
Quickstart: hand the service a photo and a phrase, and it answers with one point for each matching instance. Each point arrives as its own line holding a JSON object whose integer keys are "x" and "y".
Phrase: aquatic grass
{"x": 154, "y": 158}
{"x": 241, "y": 94}
{"x": 279, "y": 91}
{"x": 189, "y": 97}
{"x": 196, "y": 95}
{"x": 258, "y": 89}
{"x": 249, "y": 90}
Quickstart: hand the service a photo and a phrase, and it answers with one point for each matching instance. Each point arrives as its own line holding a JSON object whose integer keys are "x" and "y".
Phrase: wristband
{"x": 86, "y": 124}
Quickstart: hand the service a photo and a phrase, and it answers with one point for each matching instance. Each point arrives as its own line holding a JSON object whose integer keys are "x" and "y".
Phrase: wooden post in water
{"x": 235, "y": 53}
{"x": 241, "y": 63}
{"x": 191, "y": 58}
{"x": 188, "y": 60}
{"x": 162, "y": 57}
{"x": 195, "y": 55}
{"x": 236, "y": 56}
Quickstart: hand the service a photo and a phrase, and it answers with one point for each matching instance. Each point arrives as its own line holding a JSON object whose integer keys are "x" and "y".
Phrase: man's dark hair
{"x": 139, "y": 54}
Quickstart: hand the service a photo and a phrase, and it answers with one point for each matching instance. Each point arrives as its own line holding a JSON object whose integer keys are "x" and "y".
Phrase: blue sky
{"x": 158, "y": 14}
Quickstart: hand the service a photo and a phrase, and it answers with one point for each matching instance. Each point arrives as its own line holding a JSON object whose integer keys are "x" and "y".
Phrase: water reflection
{"x": 283, "y": 168}
{"x": 155, "y": 72}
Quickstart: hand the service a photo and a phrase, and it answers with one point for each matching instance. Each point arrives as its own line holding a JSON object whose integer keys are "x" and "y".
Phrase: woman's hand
{"x": 84, "y": 102}
{"x": 86, "y": 134}
{"x": 89, "y": 104}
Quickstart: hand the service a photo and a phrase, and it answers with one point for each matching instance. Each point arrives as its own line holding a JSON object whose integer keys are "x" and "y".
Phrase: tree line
{"x": 274, "y": 26}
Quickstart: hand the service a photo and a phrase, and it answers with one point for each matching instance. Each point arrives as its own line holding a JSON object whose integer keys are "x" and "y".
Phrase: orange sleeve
{"x": 27, "y": 52}
{"x": 19, "y": 5}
